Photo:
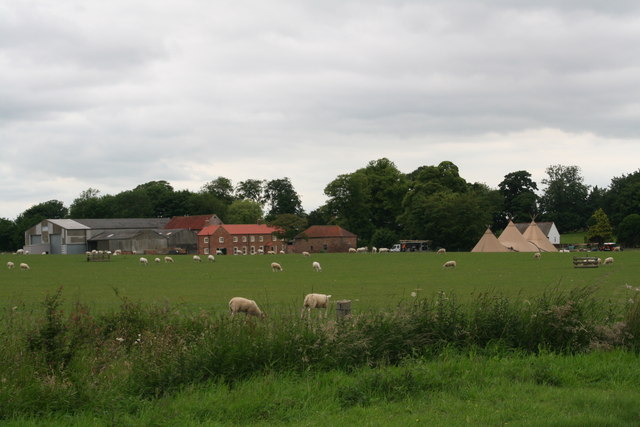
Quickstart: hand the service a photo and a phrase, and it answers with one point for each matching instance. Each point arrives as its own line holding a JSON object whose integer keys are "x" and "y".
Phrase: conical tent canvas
{"x": 534, "y": 235}
{"x": 489, "y": 243}
{"x": 512, "y": 239}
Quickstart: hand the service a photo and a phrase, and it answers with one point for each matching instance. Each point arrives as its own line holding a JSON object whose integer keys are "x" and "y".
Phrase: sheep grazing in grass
{"x": 196, "y": 258}
{"x": 20, "y": 252}
{"x": 537, "y": 255}
{"x": 282, "y": 252}
{"x": 362, "y": 250}
{"x": 10, "y": 265}
{"x": 271, "y": 252}
{"x": 144, "y": 261}
{"x": 157, "y": 260}
{"x": 168, "y": 259}
{"x": 211, "y": 258}
{"x": 449, "y": 264}
{"x": 441, "y": 251}
{"x": 316, "y": 266}
{"x": 599, "y": 261}
{"x": 315, "y": 301}
{"x": 276, "y": 267}
{"x": 608, "y": 260}
{"x": 305, "y": 253}
{"x": 24, "y": 266}
{"x": 218, "y": 252}
{"x": 381, "y": 250}
{"x": 352, "y": 250}
{"x": 244, "y": 305}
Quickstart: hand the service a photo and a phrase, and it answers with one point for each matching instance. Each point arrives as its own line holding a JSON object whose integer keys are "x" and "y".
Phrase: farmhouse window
{"x": 253, "y": 250}
{"x": 235, "y": 239}
{"x": 206, "y": 240}
{"x": 244, "y": 250}
{"x": 244, "y": 239}
{"x": 253, "y": 238}
{"x": 261, "y": 238}
{"x": 206, "y": 251}
{"x": 221, "y": 239}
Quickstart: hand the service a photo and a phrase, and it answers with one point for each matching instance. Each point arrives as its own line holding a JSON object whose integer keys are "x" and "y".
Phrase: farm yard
{"x": 120, "y": 342}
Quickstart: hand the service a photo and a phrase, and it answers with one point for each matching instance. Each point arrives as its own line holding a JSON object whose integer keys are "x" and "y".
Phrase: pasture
{"x": 370, "y": 281}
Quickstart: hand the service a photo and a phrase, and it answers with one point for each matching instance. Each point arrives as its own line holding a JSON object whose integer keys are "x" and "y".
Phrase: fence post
{"x": 343, "y": 308}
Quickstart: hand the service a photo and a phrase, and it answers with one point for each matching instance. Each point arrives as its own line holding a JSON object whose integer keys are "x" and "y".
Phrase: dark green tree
{"x": 244, "y": 212}
{"x": 519, "y": 197}
{"x": 8, "y": 232}
{"x": 384, "y": 238}
{"x": 282, "y": 198}
{"x": 623, "y": 197}
{"x": 629, "y": 231}
{"x": 221, "y": 187}
{"x": 349, "y": 204}
{"x": 564, "y": 201}
{"x": 251, "y": 189}
{"x": 89, "y": 204}
{"x": 132, "y": 204}
{"x": 600, "y": 230}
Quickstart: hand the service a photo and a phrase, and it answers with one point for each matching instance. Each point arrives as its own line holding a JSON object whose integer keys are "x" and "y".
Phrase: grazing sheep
{"x": 218, "y": 252}
{"x": 381, "y": 250}
{"x": 196, "y": 258}
{"x": 315, "y": 301}
{"x": 168, "y": 259}
{"x": 24, "y": 266}
{"x": 305, "y": 253}
{"x": 537, "y": 255}
{"x": 362, "y": 250}
{"x": 441, "y": 251}
{"x": 271, "y": 252}
{"x": 211, "y": 258}
{"x": 243, "y": 305}
{"x": 157, "y": 260}
{"x": 449, "y": 264}
{"x": 352, "y": 250}
{"x": 599, "y": 261}
{"x": 276, "y": 267}
{"x": 374, "y": 250}
{"x": 10, "y": 265}
{"x": 608, "y": 260}
{"x": 20, "y": 252}
{"x": 144, "y": 261}
{"x": 316, "y": 266}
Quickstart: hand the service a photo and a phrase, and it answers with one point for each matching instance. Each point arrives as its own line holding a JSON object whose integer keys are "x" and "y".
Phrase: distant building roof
{"x": 120, "y": 223}
{"x": 240, "y": 229}
{"x": 316, "y": 231}
{"x": 195, "y": 222}
{"x": 68, "y": 224}
{"x": 121, "y": 234}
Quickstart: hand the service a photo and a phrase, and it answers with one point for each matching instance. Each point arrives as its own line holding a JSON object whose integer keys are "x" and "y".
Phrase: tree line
{"x": 379, "y": 203}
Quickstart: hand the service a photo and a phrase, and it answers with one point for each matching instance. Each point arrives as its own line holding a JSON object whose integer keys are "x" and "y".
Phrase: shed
{"x": 324, "y": 238}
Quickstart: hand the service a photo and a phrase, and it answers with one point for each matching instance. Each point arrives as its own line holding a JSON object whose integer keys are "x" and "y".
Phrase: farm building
{"x": 548, "y": 229}
{"x": 324, "y": 238}
{"x": 193, "y": 223}
{"x": 239, "y": 239}
{"x": 71, "y": 236}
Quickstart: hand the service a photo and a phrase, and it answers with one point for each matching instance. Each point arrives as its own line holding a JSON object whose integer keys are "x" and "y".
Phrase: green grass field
{"x": 370, "y": 281}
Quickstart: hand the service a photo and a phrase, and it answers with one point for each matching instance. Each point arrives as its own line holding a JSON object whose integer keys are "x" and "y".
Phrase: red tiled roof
{"x": 240, "y": 229}
{"x": 325, "y": 231}
{"x": 195, "y": 222}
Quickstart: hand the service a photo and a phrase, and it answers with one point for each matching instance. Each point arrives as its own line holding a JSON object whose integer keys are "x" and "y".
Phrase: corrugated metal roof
{"x": 240, "y": 229}
{"x": 122, "y": 234}
{"x": 122, "y": 223}
{"x": 68, "y": 224}
{"x": 316, "y": 231}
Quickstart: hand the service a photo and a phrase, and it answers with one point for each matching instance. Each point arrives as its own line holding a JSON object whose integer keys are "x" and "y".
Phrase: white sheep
{"x": 441, "y": 251}
{"x": 315, "y": 301}
{"x": 449, "y": 264}
{"x": 537, "y": 255}
{"x": 24, "y": 266}
{"x": 316, "y": 266}
{"x": 144, "y": 261}
{"x": 305, "y": 253}
{"x": 352, "y": 250}
{"x": 157, "y": 260}
{"x": 244, "y": 305}
{"x": 196, "y": 258}
{"x": 168, "y": 259}
{"x": 276, "y": 267}
{"x": 20, "y": 252}
{"x": 211, "y": 258}
{"x": 381, "y": 250}
{"x": 10, "y": 265}
{"x": 599, "y": 260}
{"x": 608, "y": 260}
{"x": 271, "y": 252}
{"x": 281, "y": 252}
{"x": 362, "y": 250}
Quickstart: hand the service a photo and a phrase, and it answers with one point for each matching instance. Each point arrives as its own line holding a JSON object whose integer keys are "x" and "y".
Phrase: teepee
{"x": 513, "y": 240}
{"x": 489, "y": 243}
{"x": 534, "y": 235}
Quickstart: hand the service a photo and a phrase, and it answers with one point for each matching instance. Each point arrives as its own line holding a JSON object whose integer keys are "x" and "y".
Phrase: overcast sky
{"x": 113, "y": 94}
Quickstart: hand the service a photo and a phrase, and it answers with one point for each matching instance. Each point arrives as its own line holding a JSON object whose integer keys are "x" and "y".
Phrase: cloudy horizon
{"x": 110, "y": 95}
